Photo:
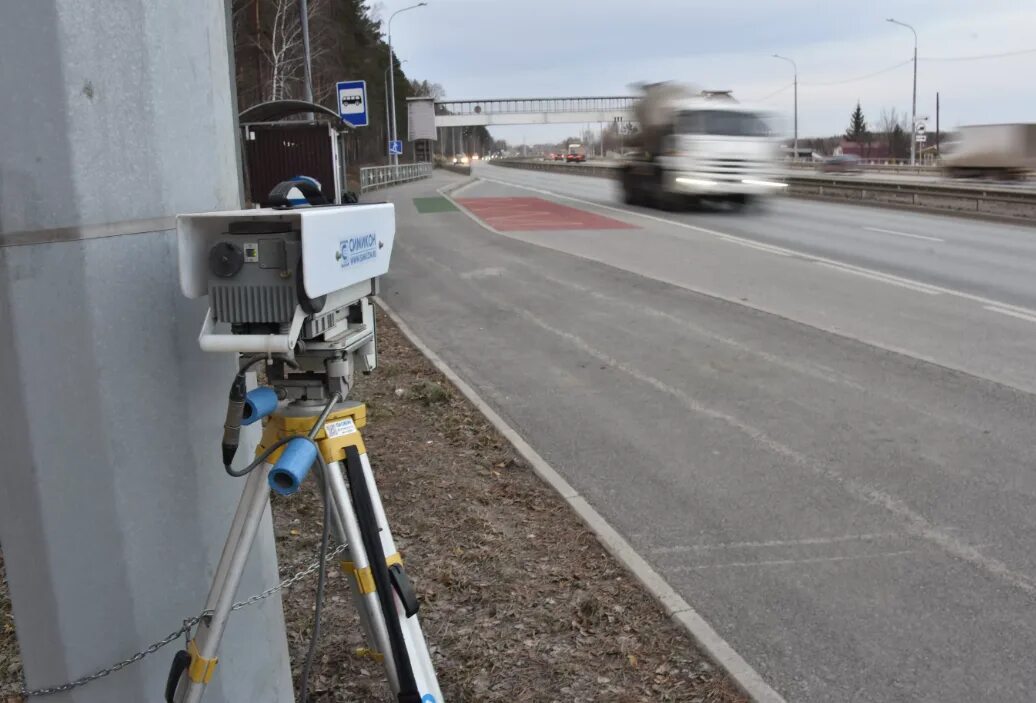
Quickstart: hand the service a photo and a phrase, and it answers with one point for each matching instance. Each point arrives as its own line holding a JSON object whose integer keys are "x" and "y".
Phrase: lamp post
{"x": 795, "y": 68}
{"x": 392, "y": 73}
{"x": 388, "y": 122}
{"x": 913, "y": 104}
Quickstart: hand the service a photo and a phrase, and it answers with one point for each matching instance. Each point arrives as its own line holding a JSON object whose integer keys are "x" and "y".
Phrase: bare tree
{"x": 275, "y": 32}
{"x": 893, "y": 132}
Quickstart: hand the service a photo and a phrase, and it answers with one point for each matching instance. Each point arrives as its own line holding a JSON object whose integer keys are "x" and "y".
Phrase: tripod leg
{"x": 205, "y": 645}
{"x": 396, "y": 599}
{"x": 364, "y": 596}
{"x": 421, "y": 659}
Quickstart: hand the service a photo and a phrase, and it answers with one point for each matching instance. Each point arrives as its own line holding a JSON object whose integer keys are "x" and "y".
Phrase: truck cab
{"x": 705, "y": 147}
{"x": 719, "y": 151}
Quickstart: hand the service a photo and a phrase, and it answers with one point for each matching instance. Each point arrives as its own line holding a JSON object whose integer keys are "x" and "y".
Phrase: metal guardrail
{"x": 373, "y": 177}
{"x": 979, "y": 200}
{"x": 870, "y": 166}
{"x": 990, "y": 202}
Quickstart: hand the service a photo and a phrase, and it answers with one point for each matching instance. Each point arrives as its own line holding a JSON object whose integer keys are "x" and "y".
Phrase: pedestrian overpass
{"x": 519, "y": 111}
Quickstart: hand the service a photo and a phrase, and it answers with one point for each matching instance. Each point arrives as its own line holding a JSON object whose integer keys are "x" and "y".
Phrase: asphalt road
{"x": 819, "y": 434}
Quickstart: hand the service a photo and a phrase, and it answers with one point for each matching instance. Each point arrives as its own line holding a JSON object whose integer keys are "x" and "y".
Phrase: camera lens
{"x": 226, "y": 259}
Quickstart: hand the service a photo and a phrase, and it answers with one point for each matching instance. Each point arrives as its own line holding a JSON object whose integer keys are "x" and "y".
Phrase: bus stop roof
{"x": 276, "y": 110}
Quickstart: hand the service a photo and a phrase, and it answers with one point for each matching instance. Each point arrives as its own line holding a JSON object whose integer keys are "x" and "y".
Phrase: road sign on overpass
{"x": 511, "y": 111}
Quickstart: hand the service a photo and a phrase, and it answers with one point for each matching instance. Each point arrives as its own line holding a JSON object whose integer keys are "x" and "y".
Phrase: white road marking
{"x": 756, "y": 245}
{"x": 444, "y": 192}
{"x": 803, "y": 255}
{"x": 1012, "y": 313}
{"x": 903, "y": 234}
{"x": 884, "y": 278}
{"x": 487, "y": 272}
{"x": 806, "y": 368}
{"x": 455, "y": 191}
{"x": 914, "y": 522}
{"x": 809, "y": 541}
{"x": 796, "y": 562}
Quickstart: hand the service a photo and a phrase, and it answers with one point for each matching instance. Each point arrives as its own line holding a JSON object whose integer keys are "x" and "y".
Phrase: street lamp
{"x": 913, "y": 105}
{"x": 388, "y": 122}
{"x": 795, "y": 152}
{"x": 392, "y": 74}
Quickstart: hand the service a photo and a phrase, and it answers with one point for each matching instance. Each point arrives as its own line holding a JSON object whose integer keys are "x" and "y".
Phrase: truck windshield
{"x": 725, "y": 123}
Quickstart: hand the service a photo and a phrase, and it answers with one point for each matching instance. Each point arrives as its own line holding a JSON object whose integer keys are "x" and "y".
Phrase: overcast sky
{"x": 538, "y": 48}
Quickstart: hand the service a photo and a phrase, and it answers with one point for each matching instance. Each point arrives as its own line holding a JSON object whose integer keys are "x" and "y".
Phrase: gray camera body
{"x": 287, "y": 281}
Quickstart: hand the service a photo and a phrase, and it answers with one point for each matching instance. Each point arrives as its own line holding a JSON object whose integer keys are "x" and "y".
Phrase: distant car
{"x": 575, "y": 158}
{"x": 460, "y": 160}
{"x": 558, "y": 157}
{"x": 841, "y": 163}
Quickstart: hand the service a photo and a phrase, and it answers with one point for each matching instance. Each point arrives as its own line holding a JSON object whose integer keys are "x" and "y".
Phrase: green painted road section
{"x": 430, "y": 205}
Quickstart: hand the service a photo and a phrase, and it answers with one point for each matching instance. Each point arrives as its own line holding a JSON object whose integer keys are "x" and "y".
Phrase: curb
{"x": 708, "y": 640}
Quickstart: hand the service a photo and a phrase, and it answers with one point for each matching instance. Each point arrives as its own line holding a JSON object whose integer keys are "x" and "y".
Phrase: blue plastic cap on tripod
{"x": 291, "y": 468}
{"x": 258, "y": 404}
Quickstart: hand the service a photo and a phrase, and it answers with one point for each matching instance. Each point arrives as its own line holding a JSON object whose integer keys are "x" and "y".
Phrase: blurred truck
{"x": 1000, "y": 151}
{"x": 576, "y": 153}
{"x": 695, "y": 146}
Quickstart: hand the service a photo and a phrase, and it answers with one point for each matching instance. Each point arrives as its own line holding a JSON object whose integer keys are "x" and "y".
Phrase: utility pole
{"x": 307, "y": 64}
{"x": 392, "y": 73}
{"x": 388, "y": 101}
{"x": 913, "y": 104}
{"x": 936, "y": 124}
{"x": 795, "y": 68}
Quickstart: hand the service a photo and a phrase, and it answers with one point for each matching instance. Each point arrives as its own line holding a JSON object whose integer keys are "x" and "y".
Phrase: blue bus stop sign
{"x": 352, "y": 102}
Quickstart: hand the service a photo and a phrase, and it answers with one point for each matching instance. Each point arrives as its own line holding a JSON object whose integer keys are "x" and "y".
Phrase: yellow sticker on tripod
{"x": 338, "y": 428}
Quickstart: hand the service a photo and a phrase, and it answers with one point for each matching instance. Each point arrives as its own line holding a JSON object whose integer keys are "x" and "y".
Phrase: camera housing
{"x": 287, "y": 281}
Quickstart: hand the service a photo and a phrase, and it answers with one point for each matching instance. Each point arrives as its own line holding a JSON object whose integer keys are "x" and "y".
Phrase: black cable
{"x": 262, "y": 457}
{"x": 325, "y": 531}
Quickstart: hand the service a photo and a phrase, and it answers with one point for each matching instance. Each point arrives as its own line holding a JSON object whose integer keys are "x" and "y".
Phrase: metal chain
{"x": 185, "y": 629}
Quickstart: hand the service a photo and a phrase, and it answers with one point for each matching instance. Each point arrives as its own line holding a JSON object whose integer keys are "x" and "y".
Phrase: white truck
{"x": 696, "y": 146}
{"x": 1000, "y": 151}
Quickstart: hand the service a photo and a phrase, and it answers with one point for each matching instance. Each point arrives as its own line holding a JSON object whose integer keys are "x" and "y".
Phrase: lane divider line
{"x": 679, "y": 610}
{"x": 1012, "y": 313}
{"x": 884, "y": 278}
{"x": 903, "y": 234}
{"x": 982, "y": 300}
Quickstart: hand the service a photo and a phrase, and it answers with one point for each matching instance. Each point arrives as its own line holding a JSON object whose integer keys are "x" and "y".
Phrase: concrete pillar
{"x": 114, "y": 116}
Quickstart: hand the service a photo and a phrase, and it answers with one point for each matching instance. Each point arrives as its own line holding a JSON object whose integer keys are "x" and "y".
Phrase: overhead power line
{"x": 771, "y": 95}
{"x": 861, "y": 78}
{"x": 977, "y": 57}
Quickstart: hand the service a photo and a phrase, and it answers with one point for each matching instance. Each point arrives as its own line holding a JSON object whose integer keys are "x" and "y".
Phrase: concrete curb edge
{"x": 715, "y": 647}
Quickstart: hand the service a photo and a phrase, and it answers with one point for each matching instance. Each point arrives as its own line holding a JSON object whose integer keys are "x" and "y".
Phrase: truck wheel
{"x": 630, "y": 193}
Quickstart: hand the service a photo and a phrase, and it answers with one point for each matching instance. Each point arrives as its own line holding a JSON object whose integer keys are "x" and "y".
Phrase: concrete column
{"x": 115, "y": 115}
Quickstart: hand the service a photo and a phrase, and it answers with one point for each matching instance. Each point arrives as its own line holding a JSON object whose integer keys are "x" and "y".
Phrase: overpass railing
{"x": 512, "y": 106}
{"x": 373, "y": 177}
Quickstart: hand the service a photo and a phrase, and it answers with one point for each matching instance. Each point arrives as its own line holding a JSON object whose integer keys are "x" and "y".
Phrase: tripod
{"x": 316, "y": 427}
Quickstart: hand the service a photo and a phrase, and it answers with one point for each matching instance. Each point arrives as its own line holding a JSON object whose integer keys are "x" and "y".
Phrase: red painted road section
{"x": 536, "y": 214}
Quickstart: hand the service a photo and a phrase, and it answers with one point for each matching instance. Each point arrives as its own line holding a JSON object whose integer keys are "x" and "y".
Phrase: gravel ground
{"x": 519, "y": 600}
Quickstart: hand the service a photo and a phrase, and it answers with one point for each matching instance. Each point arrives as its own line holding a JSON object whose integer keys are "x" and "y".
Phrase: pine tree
{"x": 857, "y": 131}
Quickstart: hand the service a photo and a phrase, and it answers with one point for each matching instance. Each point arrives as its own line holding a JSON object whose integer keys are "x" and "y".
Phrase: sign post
{"x": 352, "y": 102}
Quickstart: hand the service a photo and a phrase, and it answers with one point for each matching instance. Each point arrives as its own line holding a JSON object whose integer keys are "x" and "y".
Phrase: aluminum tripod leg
{"x": 205, "y": 645}
{"x": 420, "y": 659}
{"x": 366, "y": 603}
